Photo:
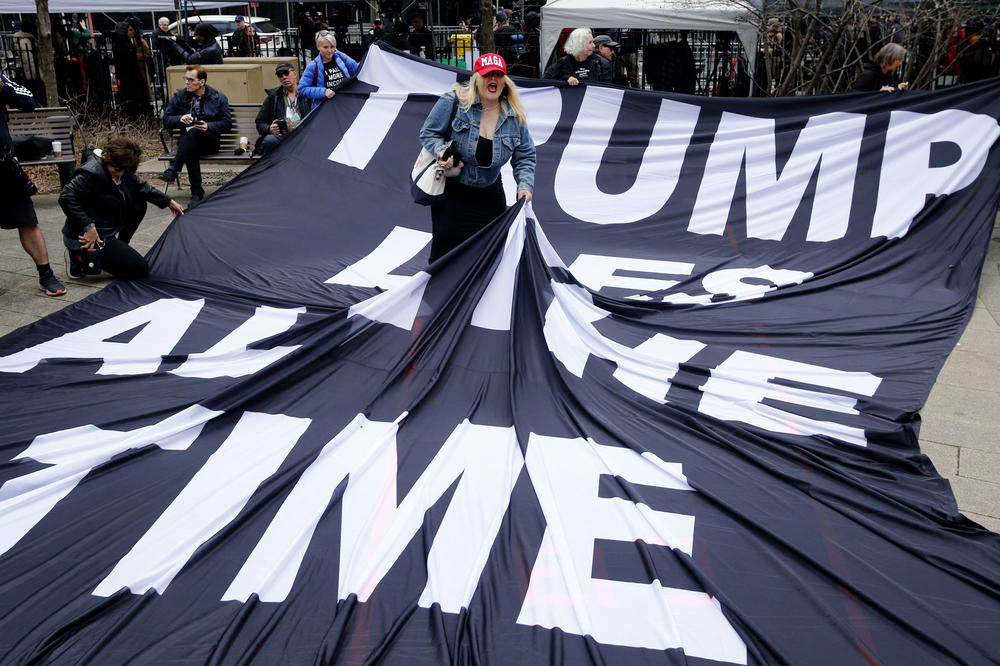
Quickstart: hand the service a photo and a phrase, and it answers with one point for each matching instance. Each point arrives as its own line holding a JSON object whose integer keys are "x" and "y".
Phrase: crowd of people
{"x": 669, "y": 64}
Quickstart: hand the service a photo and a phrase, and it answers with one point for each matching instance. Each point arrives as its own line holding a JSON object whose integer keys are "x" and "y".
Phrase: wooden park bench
{"x": 50, "y": 122}
{"x": 244, "y": 124}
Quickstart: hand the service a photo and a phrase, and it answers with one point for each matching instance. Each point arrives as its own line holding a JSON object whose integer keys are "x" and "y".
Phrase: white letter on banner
{"x": 375, "y": 529}
{"x": 572, "y": 338}
{"x": 72, "y": 453}
{"x": 598, "y": 271}
{"x": 497, "y": 303}
{"x": 576, "y": 176}
{"x": 211, "y": 500}
{"x": 907, "y": 176}
{"x": 831, "y": 141}
{"x": 737, "y": 388}
{"x": 373, "y": 269}
{"x": 163, "y": 321}
{"x": 562, "y": 591}
{"x": 397, "y": 79}
{"x": 398, "y": 306}
{"x": 730, "y": 281}
{"x": 230, "y": 357}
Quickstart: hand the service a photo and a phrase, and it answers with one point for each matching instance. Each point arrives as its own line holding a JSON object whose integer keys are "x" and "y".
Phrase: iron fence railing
{"x": 697, "y": 62}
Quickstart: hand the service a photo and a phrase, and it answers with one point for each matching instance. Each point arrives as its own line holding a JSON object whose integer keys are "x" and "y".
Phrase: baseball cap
{"x": 604, "y": 40}
{"x": 283, "y": 67}
{"x": 489, "y": 62}
{"x": 240, "y": 18}
{"x": 501, "y": 17}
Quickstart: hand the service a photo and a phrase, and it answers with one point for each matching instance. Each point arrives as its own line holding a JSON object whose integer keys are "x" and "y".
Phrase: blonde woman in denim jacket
{"x": 489, "y": 128}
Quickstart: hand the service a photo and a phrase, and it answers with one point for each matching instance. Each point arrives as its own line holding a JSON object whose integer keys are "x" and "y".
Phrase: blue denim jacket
{"x": 511, "y": 141}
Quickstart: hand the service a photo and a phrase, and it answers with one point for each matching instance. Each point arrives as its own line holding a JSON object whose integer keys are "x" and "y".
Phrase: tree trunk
{"x": 486, "y": 42}
{"x": 46, "y": 59}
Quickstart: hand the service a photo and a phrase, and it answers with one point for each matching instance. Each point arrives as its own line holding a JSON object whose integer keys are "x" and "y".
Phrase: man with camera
{"x": 16, "y": 190}
{"x": 203, "y": 114}
{"x": 283, "y": 109}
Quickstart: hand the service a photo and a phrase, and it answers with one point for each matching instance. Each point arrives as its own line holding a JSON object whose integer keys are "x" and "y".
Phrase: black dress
{"x": 465, "y": 209}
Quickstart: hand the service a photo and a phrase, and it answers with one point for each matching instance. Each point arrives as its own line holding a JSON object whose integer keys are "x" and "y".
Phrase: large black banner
{"x": 666, "y": 413}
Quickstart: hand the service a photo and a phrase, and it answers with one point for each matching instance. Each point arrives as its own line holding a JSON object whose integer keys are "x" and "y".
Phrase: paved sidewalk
{"x": 961, "y": 420}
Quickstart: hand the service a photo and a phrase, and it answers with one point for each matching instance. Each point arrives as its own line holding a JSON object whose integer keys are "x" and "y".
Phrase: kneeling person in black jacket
{"x": 104, "y": 204}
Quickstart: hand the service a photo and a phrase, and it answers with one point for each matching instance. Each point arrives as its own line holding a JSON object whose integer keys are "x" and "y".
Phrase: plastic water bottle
{"x": 423, "y": 51}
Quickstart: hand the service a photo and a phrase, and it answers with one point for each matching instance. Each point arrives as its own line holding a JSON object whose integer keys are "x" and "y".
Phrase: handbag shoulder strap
{"x": 451, "y": 119}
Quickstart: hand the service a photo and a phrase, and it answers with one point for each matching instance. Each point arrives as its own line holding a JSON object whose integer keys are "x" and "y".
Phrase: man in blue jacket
{"x": 203, "y": 114}
{"x": 16, "y": 190}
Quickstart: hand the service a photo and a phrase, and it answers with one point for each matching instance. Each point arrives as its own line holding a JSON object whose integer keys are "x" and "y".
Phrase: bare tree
{"x": 486, "y": 41}
{"x": 807, "y": 47}
{"x": 46, "y": 54}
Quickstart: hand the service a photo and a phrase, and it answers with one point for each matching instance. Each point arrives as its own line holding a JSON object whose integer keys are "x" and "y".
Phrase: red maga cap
{"x": 489, "y": 62}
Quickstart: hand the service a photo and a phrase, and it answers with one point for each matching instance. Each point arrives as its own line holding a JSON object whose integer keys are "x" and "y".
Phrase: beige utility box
{"x": 241, "y": 83}
{"x": 267, "y": 66}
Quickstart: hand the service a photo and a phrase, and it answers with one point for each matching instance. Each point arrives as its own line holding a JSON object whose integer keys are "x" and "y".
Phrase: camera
{"x": 282, "y": 125}
{"x": 451, "y": 150}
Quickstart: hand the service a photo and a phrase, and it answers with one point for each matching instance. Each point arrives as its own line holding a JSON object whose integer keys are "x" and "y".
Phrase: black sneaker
{"x": 169, "y": 175}
{"x": 51, "y": 286}
{"x": 195, "y": 198}
{"x": 73, "y": 271}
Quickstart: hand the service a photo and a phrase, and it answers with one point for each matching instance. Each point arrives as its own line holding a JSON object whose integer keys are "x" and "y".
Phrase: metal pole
{"x": 93, "y": 39}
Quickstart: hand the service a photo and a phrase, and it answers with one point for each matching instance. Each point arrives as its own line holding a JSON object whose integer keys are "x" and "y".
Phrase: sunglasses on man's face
{"x": 285, "y": 73}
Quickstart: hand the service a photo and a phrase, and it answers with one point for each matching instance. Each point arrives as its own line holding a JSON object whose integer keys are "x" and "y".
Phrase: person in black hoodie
{"x": 877, "y": 74}
{"x": 203, "y": 113}
{"x": 104, "y": 204}
{"x": 206, "y": 50}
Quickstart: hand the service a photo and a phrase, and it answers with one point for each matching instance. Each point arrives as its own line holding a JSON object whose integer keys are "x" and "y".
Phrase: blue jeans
{"x": 269, "y": 143}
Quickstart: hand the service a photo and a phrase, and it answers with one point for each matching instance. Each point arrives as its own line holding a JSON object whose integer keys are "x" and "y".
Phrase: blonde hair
{"x": 326, "y": 36}
{"x": 467, "y": 94}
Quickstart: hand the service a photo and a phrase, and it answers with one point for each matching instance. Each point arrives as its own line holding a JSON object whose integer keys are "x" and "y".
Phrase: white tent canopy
{"x": 97, "y": 6}
{"x": 719, "y": 15}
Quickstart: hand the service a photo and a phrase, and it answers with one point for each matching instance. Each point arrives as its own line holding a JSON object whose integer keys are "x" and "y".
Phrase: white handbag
{"x": 427, "y": 180}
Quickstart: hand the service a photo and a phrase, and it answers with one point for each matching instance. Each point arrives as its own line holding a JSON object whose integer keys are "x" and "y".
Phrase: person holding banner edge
{"x": 104, "y": 204}
{"x": 324, "y": 74}
{"x": 489, "y": 129}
